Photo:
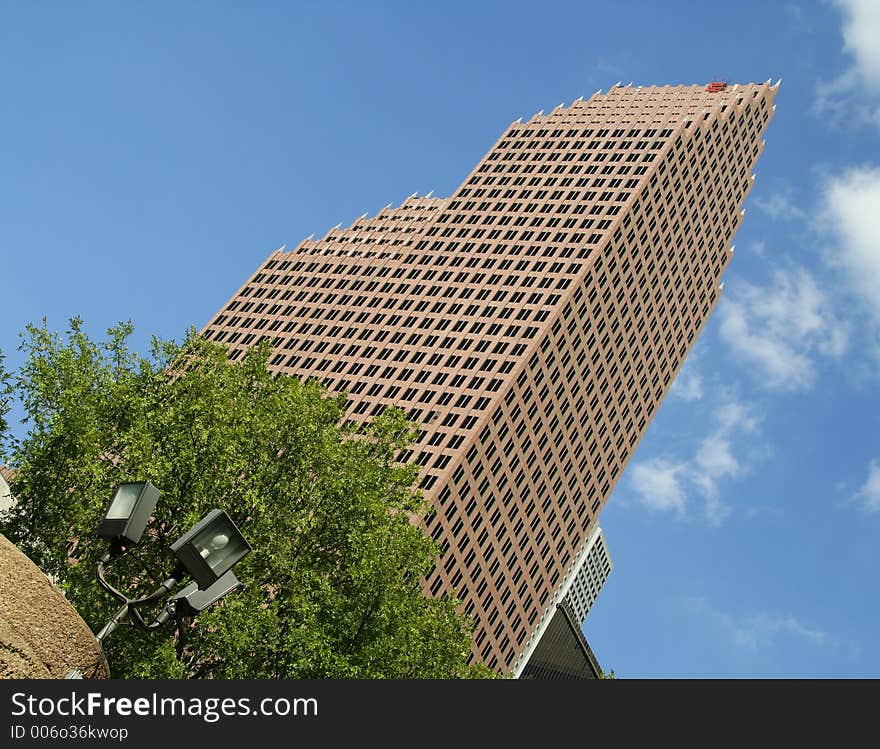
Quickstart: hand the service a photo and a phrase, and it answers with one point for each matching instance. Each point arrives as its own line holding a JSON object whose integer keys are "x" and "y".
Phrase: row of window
{"x": 513, "y": 522}
{"x": 535, "y": 468}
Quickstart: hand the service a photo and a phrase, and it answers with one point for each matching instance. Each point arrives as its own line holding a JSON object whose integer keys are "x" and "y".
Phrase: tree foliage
{"x": 333, "y": 583}
{"x": 5, "y": 397}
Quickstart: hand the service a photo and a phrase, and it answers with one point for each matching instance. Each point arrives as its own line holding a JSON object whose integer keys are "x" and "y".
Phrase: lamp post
{"x": 207, "y": 553}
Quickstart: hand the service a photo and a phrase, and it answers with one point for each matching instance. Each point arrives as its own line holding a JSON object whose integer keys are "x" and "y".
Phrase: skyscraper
{"x": 532, "y": 323}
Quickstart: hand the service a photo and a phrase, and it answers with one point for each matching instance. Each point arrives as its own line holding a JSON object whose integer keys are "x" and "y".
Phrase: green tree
{"x": 5, "y": 396}
{"x": 333, "y": 584}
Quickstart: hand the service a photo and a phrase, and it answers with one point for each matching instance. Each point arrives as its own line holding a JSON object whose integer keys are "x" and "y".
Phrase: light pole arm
{"x": 113, "y": 623}
{"x": 99, "y": 573}
{"x": 130, "y": 605}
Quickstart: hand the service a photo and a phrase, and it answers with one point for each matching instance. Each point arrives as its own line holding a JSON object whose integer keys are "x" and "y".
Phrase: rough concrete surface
{"x": 41, "y": 635}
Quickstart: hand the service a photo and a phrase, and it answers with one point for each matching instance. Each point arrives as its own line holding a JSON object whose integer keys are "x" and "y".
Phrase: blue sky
{"x": 155, "y": 153}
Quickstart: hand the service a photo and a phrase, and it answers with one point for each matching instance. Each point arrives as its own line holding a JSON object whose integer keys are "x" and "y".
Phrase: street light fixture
{"x": 129, "y": 512}
{"x": 210, "y": 548}
{"x": 191, "y": 600}
{"x": 207, "y": 553}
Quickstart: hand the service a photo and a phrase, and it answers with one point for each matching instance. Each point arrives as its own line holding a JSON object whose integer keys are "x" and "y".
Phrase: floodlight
{"x": 210, "y": 548}
{"x": 129, "y": 511}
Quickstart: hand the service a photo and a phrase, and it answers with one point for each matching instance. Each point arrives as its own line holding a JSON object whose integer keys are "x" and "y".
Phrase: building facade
{"x": 590, "y": 578}
{"x": 570, "y": 605}
{"x": 532, "y": 323}
{"x": 6, "y": 500}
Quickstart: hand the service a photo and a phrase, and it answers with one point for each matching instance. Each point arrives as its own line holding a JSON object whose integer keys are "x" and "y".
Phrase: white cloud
{"x": 714, "y": 461}
{"x": 688, "y": 383}
{"x": 854, "y": 94}
{"x": 661, "y": 484}
{"x": 658, "y": 484}
{"x": 780, "y": 206}
{"x": 735, "y": 415}
{"x": 861, "y": 30}
{"x": 869, "y": 495}
{"x": 754, "y": 632}
{"x": 778, "y": 330}
{"x": 851, "y": 210}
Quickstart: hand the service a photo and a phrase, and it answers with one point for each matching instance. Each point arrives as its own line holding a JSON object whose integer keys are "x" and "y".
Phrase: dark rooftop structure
{"x": 563, "y": 652}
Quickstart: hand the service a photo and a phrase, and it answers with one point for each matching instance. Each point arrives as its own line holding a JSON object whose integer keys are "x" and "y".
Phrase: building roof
{"x": 563, "y": 652}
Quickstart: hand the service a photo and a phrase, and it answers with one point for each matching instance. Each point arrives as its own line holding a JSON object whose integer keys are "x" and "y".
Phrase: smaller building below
{"x": 5, "y": 493}
{"x": 563, "y": 652}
